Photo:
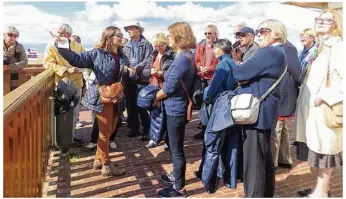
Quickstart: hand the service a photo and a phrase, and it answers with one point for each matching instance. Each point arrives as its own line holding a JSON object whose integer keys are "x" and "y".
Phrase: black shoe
{"x": 145, "y": 138}
{"x": 133, "y": 133}
{"x": 171, "y": 192}
{"x": 198, "y": 174}
{"x": 286, "y": 166}
{"x": 199, "y": 136}
{"x": 77, "y": 142}
{"x": 308, "y": 191}
{"x": 169, "y": 178}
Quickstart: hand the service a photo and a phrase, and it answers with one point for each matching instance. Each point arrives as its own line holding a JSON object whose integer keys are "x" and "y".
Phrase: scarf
{"x": 314, "y": 51}
{"x": 9, "y": 52}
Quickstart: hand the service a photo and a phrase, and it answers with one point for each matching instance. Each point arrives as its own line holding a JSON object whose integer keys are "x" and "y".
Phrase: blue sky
{"x": 89, "y": 19}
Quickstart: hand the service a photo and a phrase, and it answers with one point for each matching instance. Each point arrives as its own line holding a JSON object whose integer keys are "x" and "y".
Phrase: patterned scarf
{"x": 9, "y": 52}
{"x": 314, "y": 51}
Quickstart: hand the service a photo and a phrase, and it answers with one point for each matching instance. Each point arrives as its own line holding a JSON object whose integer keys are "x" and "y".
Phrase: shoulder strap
{"x": 274, "y": 85}
{"x": 189, "y": 106}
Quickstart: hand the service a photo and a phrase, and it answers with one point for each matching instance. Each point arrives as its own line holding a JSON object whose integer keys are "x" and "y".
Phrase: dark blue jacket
{"x": 289, "y": 84}
{"x": 157, "y": 124}
{"x": 183, "y": 68}
{"x": 144, "y": 50}
{"x": 103, "y": 65}
{"x": 223, "y": 78}
{"x": 262, "y": 70}
{"x": 222, "y": 142}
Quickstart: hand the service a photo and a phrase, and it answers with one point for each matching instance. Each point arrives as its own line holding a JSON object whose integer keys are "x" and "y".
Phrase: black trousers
{"x": 258, "y": 165}
{"x": 176, "y": 134}
{"x": 95, "y": 132}
{"x": 132, "y": 90}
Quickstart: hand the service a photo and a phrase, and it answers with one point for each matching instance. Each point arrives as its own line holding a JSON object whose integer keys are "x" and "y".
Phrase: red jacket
{"x": 200, "y": 58}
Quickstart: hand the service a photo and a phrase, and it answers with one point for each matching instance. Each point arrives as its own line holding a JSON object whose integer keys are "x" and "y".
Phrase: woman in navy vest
{"x": 256, "y": 75}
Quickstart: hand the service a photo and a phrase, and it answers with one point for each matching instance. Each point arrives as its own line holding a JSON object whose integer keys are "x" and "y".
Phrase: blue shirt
{"x": 134, "y": 57}
{"x": 182, "y": 68}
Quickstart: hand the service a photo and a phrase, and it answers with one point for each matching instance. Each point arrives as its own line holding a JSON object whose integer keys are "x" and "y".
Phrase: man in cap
{"x": 138, "y": 50}
{"x": 246, "y": 37}
{"x": 61, "y": 68}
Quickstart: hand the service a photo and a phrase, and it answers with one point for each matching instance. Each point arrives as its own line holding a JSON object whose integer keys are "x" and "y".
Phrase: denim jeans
{"x": 176, "y": 134}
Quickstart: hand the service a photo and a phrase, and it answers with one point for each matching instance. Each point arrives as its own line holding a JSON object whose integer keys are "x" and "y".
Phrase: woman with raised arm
{"x": 108, "y": 63}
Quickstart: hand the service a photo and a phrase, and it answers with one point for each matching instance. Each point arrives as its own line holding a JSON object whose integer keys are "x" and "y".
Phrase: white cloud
{"x": 90, "y": 22}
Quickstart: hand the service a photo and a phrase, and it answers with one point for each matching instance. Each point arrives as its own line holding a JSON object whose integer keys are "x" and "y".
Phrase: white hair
{"x": 11, "y": 29}
{"x": 67, "y": 28}
{"x": 214, "y": 28}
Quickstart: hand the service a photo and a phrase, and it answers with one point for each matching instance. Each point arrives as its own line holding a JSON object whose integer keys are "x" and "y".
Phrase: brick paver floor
{"x": 76, "y": 178}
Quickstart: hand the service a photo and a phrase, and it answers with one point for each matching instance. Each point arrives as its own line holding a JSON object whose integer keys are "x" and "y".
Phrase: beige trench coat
{"x": 310, "y": 127}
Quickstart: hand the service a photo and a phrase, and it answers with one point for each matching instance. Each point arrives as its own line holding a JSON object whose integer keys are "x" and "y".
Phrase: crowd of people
{"x": 174, "y": 72}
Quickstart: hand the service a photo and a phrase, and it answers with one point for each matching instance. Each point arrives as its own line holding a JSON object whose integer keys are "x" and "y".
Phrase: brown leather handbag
{"x": 111, "y": 93}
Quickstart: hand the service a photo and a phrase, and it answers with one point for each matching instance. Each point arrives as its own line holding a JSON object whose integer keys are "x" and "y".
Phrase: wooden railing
{"x": 28, "y": 113}
{"x": 15, "y": 78}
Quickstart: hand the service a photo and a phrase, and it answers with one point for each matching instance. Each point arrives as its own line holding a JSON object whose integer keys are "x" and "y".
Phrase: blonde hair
{"x": 160, "y": 39}
{"x": 214, "y": 28}
{"x": 309, "y": 32}
{"x": 182, "y": 36}
{"x": 338, "y": 22}
{"x": 106, "y": 42}
{"x": 279, "y": 32}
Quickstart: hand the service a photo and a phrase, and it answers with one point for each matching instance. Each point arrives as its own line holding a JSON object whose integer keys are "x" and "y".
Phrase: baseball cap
{"x": 245, "y": 30}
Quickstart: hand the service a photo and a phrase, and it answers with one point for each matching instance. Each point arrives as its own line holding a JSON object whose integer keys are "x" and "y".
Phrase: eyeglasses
{"x": 324, "y": 21}
{"x": 12, "y": 35}
{"x": 208, "y": 33}
{"x": 262, "y": 31}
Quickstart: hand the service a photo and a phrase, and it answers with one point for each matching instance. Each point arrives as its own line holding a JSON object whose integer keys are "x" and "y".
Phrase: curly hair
{"x": 182, "y": 35}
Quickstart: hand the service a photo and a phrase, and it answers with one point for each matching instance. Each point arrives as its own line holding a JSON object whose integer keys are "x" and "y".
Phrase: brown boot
{"x": 98, "y": 164}
{"x": 111, "y": 170}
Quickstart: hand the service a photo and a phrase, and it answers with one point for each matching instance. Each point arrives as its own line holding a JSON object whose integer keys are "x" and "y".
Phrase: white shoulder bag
{"x": 245, "y": 107}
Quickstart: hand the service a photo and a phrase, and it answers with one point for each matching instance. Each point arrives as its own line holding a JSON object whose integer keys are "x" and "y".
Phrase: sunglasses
{"x": 119, "y": 34}
{"x": 240, "y": 34}
{"x": 12, "y": 35}
{"x": 208, "y": 33}
{"x": 263, "y": 31}
{"x": 324, "y": 21}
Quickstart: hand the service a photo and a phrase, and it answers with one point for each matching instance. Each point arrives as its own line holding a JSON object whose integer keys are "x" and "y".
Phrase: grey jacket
{"x": 18, "y": 60}
{"x": 250, "y": 51}
{"x": 144, "y": 50}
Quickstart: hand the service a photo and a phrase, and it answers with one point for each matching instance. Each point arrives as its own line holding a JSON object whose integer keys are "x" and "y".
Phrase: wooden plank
{"x": 18, "y": 96}
{"x": 7, "y": 82}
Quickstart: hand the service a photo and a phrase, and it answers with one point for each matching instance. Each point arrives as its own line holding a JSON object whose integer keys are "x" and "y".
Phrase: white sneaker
{"x": 91, "y": 145}
{"x": 112, "y": 145}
